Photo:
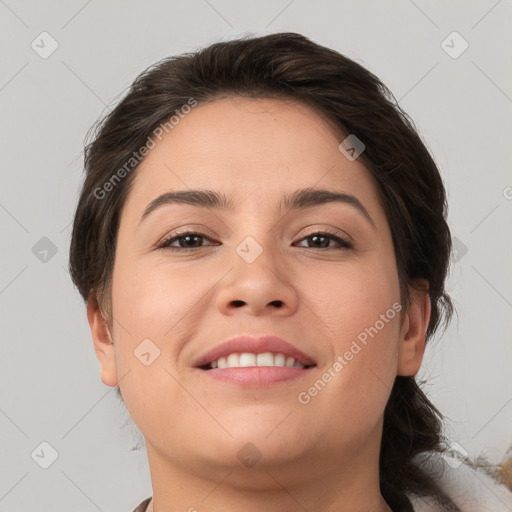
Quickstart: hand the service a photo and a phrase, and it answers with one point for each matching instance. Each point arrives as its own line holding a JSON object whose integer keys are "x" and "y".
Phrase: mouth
{"x": 250, "y": 360}
{"x": 255, "y": 362}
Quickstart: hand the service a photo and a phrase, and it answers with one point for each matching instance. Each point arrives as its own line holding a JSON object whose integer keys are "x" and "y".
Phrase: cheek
{"x": 152, "y": 299}
{"x": 359, "y": 308}
{"x": 162, "y": 304}
{"x": 151, "y": 307}
{"x": 339, "y": 304}
{"x": 349, "y": 298}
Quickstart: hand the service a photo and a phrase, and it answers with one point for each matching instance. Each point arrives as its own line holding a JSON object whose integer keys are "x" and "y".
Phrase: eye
{"x": 191, "y": 240}
{"x": 323, "y": 238}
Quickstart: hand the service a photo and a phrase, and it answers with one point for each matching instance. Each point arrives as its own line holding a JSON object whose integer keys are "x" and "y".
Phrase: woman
{"x": 262, "y": 243}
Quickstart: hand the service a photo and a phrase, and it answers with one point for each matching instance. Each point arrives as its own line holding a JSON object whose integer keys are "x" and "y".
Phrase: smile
{"x": 247, "y": 359}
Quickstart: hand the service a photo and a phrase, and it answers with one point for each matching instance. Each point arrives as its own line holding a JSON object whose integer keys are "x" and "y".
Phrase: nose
{"x": 257, "y": 286}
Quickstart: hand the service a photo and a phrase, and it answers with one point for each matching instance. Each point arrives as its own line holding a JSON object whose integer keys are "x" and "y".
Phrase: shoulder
{"x": 472, "y": 491}
{"x": 142, "y": 507}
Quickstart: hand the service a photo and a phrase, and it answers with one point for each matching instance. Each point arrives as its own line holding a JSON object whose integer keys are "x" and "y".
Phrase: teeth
{"x": 247, "y": 359}
{"x": 279, "y": 360}
{"x": 233, "y": 360}
{"x": 265, "y": 359}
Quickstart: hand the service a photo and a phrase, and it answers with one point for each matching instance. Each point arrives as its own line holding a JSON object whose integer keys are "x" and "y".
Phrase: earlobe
{"x": 414, "y": 331}
{"x": 103, "y": 343}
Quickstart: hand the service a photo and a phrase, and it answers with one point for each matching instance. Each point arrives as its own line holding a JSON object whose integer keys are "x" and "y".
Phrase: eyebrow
{"x": 299, "y": 199}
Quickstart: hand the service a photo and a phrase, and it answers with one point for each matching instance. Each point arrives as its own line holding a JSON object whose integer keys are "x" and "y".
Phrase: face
{"x": 321, "y": 276}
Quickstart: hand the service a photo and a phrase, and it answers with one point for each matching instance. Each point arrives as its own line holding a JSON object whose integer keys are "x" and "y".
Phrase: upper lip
{"x": 254, "y": 345}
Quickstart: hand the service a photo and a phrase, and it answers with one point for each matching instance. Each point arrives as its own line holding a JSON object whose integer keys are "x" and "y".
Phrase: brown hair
{"x": 290, "y": 66}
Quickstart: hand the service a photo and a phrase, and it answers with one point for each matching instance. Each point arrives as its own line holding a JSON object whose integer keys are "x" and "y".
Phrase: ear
{"x": 414, "y": 331}
{"x": 103, "y": 344}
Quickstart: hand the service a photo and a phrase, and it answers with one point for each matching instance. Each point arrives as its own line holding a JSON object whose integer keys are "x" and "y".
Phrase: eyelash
{"x": 165, "y": 244}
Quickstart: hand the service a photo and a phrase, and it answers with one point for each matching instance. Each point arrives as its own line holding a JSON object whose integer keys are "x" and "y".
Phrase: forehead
{"x": 253, "y": 150}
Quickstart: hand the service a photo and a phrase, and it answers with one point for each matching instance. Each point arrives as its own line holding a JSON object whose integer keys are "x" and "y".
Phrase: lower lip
{"x": 257, "y": 376}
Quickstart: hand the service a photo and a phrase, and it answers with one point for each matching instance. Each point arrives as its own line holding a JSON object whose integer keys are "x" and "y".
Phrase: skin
{"x": 321, "y": 456}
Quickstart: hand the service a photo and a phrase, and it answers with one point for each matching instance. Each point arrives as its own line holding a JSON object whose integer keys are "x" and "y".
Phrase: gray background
{"x": 50, "y": 388}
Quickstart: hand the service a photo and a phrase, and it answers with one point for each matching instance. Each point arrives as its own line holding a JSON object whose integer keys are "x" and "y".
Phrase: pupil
{"x": 316, "y": 237}
{"x": 188, "y": 237}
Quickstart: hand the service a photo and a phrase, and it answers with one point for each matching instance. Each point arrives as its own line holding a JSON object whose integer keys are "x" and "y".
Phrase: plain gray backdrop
{"x": 50, "y": 390}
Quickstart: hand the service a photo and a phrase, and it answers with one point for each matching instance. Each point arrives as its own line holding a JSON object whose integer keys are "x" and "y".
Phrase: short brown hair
{"x": 288, "y": 65}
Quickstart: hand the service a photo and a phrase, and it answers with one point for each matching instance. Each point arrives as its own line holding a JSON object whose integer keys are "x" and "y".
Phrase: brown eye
{"x": 321, "y": 240}
{"x": 188, "y": 240}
